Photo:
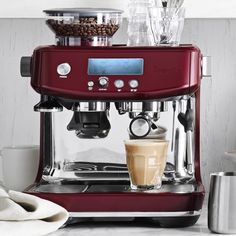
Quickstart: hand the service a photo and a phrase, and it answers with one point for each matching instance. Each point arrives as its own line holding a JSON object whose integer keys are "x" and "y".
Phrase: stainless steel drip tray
{"x": 99, "y": 171}
{"x": 109, "y": 188}
{"x": 100, "y": 167}
{"x": 125, "y": 188}
{"x": 88, "y": 167}
{"x": 58, "y": 188}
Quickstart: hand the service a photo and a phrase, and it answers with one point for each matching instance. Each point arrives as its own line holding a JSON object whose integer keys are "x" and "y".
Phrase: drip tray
{"x": 100, "y": 167}
{"x": 109, "y": 188}
{"x": 125, "y": 188}
{"x": 88, "y": 167}
{"x": 57, "y": 188}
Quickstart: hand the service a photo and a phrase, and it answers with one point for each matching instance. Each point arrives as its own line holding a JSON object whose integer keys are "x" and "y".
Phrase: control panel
{"x": 102, "y": 82}
{"x": 116, "y": 72}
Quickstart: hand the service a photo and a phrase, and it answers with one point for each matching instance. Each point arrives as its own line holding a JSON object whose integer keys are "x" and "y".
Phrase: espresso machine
{"x": 95, "y": 95}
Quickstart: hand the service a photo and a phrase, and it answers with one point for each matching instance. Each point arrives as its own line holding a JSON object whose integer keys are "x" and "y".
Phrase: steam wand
{"x": 173, "y": 125}
{"x": 186, "y": 119}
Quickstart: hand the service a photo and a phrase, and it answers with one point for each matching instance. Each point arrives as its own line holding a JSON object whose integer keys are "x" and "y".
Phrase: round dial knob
{"x": 119, "y": 83}
{"x": 63, "y": 69}
{"x": 133, "y": 83}
{"x": 103, "y": 82}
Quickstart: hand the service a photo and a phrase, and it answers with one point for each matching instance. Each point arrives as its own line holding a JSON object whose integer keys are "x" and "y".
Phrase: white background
{"x": 33, "y": 9}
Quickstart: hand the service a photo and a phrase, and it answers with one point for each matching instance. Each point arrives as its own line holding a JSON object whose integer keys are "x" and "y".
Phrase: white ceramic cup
{"x": 19, "y": 166}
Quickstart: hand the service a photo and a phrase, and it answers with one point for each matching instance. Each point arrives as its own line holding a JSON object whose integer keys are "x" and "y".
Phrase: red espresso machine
{"x": 93, "y": 97}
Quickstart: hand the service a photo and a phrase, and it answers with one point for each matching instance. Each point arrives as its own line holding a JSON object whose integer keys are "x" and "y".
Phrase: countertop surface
{"x": 123, "y": 229}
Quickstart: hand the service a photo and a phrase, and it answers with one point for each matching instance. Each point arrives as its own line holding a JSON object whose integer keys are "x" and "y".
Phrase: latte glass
{"x": 146, "y": 161}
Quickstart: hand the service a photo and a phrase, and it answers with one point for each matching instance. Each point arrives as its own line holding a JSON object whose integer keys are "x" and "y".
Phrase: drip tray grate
{"x": 108, "y": 188}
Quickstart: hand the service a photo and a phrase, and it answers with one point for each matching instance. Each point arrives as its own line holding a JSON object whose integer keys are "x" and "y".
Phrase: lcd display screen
{"x": 115, "y": 66}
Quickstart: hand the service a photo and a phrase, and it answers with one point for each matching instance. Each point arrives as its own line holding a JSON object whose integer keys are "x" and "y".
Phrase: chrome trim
{"x": 63, "y": 69}
{"x": 47, "y": 110}
{"x": 173, "y": 125}
{"x": 140, "y": 126}
{"x": 190, "y": 143}
{"x": 190, "y": 160}
{"x": 53, "y": 171}
{"x": 144, "y": 106}
{"x": 108, "y": 186}
{"x": 167, "y": 99}
{"x": 206, "y": 67}
{"x": 48, "y": 143}
{"x": 164, "y": 106}
{"x": 101, "y": 172}
{"x": 103, "y": 81}
{"x": 184, "y": 146}
{"x": 150, "y": 108}
{"x": 91, "y": 106}
{"x": 135, "y": 214}
{"x": 76, "y": 41}
{"x": 180, "y": 143}
{"x": 53, "y": 155}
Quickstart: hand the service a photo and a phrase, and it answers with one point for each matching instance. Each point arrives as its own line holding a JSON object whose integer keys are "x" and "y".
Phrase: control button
{"x": 90, "y": 84}
{"x": 64, "y": 69}
{"x": 133, "y": 83}
{"x": 119, "y": 83}
{"x": 103, "y": 82}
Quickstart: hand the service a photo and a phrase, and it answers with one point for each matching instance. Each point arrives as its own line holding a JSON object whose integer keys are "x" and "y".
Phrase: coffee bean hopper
{"x": 95, "y": 95}
{"x": 84, "y": 27}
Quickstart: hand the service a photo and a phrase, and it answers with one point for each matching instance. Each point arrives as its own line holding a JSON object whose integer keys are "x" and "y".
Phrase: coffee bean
{"x": 83, "y": 27}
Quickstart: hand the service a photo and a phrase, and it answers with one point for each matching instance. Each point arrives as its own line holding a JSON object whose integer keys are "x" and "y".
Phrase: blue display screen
{"x": 115, "y": 66}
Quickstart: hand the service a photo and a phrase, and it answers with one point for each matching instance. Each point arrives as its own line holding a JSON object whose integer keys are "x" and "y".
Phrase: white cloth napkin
{"x": 26, "y": 215}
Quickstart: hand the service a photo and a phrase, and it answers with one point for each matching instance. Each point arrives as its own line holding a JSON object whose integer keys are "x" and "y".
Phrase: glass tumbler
{"x": 139, "y": 33}
{"x": 146, "y": 161}
{"x": 166, "y": 25}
